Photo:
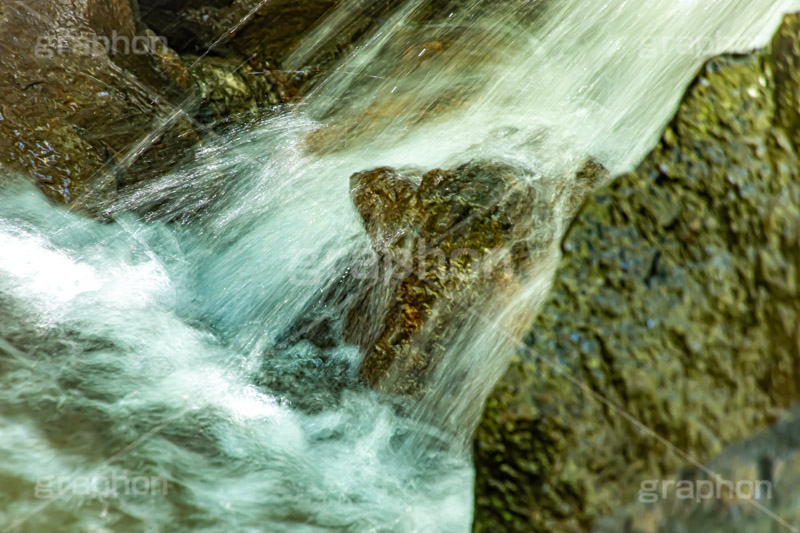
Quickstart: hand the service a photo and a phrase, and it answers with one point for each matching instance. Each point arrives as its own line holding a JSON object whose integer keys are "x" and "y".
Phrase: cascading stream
{"x": 179, "y": 332}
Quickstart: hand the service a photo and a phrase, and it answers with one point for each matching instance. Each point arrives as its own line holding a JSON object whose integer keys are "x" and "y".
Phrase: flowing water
{"x": 151, "y": 377}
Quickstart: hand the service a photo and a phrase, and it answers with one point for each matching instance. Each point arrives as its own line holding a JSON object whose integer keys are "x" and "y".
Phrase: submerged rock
{"x": 676, "y": 301}
{"x": 447, "y": 239}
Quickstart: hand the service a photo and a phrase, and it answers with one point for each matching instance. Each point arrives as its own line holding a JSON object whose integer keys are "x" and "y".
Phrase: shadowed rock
{"x": 93, "y": 101}
{"x": 80, "y": 86}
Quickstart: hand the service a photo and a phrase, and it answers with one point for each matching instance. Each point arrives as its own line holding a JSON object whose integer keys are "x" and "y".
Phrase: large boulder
{"x": 676, "y": 302}
{"x": 757, "y": 488}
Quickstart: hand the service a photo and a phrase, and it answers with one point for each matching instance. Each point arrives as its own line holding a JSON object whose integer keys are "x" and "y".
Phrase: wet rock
{"x": 430, "y": 61}
{"x": 79, "y": 86}
{"x": 192, "y": 27}
{"x": 260, "y": 33}
{"x": 269, "y": 32}
{"x": 94, "y": 101}
{"x": 231, "y": 90}
{"x": 446, "y": 240}
{"x": 676, "y": 302}
{"x": 278, "y": 26}
{"x": 231, "y": 79}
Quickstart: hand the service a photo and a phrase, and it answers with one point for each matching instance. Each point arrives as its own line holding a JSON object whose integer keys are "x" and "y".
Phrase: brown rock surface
{"x": 93, "y": 100}
{"x": 80, "y": 85}
{"x": 447, "y": 239}
{"x": 257, "y": 32}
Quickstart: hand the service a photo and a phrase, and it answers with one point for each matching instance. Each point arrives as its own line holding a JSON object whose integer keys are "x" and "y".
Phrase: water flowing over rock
{"x": 676, "y": 300}
{"x": 94, "y": 101}
{"x": 262, "y": 33}
{"x": 212, "y": 332}
{"x": 80, "y": 84}
{"x": 449, "y": 240}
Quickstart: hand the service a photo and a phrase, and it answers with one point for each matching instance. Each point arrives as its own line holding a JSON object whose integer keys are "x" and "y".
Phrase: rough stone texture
{"x": 446, "y": 240}
{"x": 70, "y": 113}
{"x": 261, "y": 35}
{"x": 275, "y": 30}
{"x": 192, "y": 26}
{"x": 677, "y": 300}
{"x": 277, "y": 26}
{"x": 264, "y": 34}
{"x": 765, "y": 475}
{"x": 204, "y": 32}
{"x": 92, "y": 100}
{"x": 231, "y": 90}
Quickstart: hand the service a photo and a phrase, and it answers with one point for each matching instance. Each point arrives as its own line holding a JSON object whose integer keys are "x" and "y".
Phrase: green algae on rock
{"x": 676, "y": 299}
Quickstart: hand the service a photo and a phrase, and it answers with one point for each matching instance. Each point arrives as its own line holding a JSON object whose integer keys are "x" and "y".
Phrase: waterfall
{"x": 156, "y": 370}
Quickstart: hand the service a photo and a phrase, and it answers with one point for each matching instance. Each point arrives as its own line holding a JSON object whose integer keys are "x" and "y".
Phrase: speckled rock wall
{"x": 676, "y": 299}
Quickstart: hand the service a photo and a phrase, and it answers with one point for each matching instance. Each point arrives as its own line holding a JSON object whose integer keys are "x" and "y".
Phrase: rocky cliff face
{"x": 676, "y": 301}
{"x": 757, "y": 490}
